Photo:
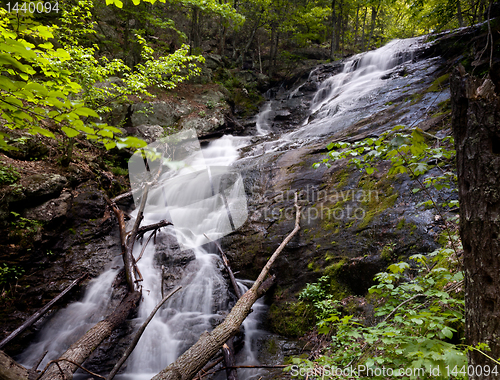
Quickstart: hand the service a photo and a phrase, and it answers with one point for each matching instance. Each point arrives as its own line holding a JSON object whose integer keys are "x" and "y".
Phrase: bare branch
{"x": 35, "y": 317}
{"x": 138, "y": 335}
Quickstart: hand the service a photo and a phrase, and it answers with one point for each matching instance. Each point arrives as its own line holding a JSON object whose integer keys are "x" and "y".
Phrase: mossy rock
{"x": 291, "y": 319}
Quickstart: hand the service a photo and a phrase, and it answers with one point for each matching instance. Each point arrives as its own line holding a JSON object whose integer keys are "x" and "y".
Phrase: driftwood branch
{"x": 193, "y": 360}
{"x": 228, "y": 347}
{"x": 138, "y": 335}
{"x": 162, "y": 223}
{"x": 35, "y": 317}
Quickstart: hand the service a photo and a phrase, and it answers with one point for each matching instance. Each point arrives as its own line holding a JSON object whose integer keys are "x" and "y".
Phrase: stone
{"x": 157, "y": 113}
{"x": 213, "y": 61}
{"x": 51, "y": 210}
{"x": 150, "y": 133}
{"x": 43, "y": 185}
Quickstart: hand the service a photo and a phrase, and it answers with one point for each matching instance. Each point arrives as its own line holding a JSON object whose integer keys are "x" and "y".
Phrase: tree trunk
{"x": 193, "y": 360}
{"x": 10, "y": 370}
{"x": 332, "y": 44}
{"x": 81, "y": 350}
{"x": 363, "y": 34}
{"x": 195, "y": 29}
{"x": 357, "y": 27}
{"x": 372, "y": 27}
{"x": 339, "y": 26}
{"x": 476, "y": 120}
{"x": 271, "y": 52}
{"x": 459, "y": 14}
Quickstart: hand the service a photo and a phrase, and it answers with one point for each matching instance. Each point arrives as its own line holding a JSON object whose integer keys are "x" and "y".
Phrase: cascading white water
{"x": 345, "y": 98}
{"x": 72, "y": 322}
{"x": 191, "y": 312}
{"x": 341, "y": 100}
{"x": 262, "y": 119}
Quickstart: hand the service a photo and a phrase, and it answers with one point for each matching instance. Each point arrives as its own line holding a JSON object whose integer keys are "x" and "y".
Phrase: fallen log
{"x": 138, "y": 335}
{"x": 228, "y": 347}
{"x": 81, "y": 350}
{"x": 35, "y": 317}
{"x": 193, "y": 360}
{"x": 10, "y": 370}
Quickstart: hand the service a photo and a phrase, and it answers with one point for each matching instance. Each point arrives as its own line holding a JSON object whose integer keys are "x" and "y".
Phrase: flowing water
{"x": 364, "y": 86}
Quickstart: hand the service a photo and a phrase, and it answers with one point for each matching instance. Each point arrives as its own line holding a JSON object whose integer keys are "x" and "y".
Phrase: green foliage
{"x": 408, "y": 152}
{"x": 21, "y": 223}
{"x": 8, "y": 175}
{"x": 69, "y": 87}
{"x": 419, "y": 321}
{"x": 9, "y": 273}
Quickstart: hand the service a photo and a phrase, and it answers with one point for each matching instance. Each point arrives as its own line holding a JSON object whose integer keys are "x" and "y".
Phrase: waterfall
{"x": 198, "y": 307}
{"x": 353, "y": 94}
{"x": 365, "y": 85}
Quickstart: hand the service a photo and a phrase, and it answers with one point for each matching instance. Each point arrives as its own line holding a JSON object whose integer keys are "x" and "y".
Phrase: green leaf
{"x": 70, "y": 132}
{"x": 447, "y": 332}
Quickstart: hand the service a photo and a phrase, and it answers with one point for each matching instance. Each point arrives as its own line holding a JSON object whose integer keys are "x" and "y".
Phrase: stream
{"x": 365, "y": 84}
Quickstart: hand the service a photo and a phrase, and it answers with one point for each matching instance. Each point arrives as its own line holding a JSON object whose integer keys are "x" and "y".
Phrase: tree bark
{"x": 195, "y": 29}
{"x": 10, "y": 370}
{"x": 363, "y": 33}
{"x": 476, "y": 120}
{"x": 81, "y": 350}
{"x": 460, "y": 17}
{"x": 332, "y": 42}
{"x": 193, "y": 360}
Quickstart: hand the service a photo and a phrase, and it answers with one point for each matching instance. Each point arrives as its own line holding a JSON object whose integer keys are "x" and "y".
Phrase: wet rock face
{"x": 353, "y": 225}
{"x": 75, "y": 235}
{"x": 207, "y": 111}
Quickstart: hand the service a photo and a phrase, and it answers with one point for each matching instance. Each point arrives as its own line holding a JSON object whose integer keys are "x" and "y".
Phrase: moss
{"x": 401, "y": 224}
{"x": 384, "y": 199}
{"x": 272, "y": 346}
{"x": 388, "y": 252}
{"x": 443, "y": 239}
{"x": 341, "y": 178}
{"x": 334, "y": 269}
{"x": 291, "y": 319}
{"x": 439, "y": 83}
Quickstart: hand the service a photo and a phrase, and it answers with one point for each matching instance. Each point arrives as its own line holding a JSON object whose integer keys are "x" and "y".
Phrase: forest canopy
{"x": 57, "y": 58}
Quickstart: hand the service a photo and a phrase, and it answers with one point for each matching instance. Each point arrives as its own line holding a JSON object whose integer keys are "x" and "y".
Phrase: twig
{"x": 228, "y": 268}
{"x": 162, "y": 223}
{"x": 138, "y": 335}
{"x": 56, "y": 362}
{"x": 144, "y": 247}
{"x": 39, "y": 361}
{"x": 455, "y": 250}
{"x": 389, "y": 316}
{"x": 35, "y": 317}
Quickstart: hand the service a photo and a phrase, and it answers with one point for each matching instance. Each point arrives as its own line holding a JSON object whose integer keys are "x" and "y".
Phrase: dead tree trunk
{"x": 193, "y": 360}
{"x": 10, "y": 370}
{"x": 81, "y": 350}
{"x": 476, "y": 120}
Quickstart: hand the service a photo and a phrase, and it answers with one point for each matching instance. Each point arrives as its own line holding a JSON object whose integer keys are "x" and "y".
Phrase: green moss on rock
{"x": 291, "y": 319}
